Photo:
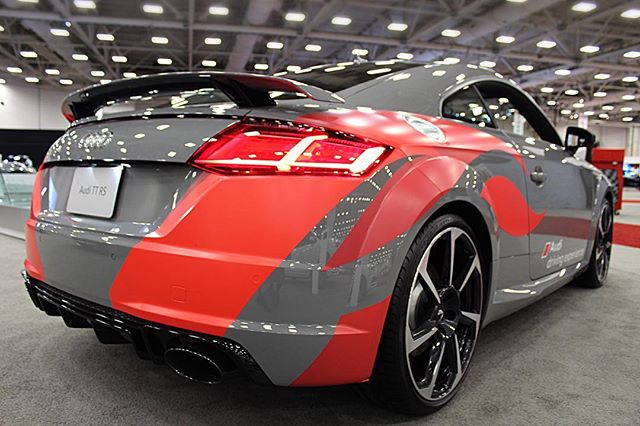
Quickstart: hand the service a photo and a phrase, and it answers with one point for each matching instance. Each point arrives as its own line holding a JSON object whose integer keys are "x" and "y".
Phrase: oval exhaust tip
{"x": 193, "y": 365}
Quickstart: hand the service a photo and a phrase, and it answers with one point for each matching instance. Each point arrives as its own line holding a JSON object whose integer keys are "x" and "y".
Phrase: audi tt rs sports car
{"x": 351, "y": 223}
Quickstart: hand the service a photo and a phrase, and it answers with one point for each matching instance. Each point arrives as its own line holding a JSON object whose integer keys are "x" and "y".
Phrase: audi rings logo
{"x": 95, "y": 140}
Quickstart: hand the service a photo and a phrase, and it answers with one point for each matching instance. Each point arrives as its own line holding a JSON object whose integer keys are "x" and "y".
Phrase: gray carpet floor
{"x": 573, "y": 358}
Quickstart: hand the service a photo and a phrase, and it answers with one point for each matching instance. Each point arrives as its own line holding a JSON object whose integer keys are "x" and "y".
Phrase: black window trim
{"x": 482, "y": 101}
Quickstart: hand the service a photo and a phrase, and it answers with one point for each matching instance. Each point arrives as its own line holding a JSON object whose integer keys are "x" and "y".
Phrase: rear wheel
{"x": 598, "y": 270}
{"x": 433, "y": 321}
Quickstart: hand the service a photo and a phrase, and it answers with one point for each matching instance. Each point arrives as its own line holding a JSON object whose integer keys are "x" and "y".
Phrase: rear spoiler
{"x": 245, "y": 90}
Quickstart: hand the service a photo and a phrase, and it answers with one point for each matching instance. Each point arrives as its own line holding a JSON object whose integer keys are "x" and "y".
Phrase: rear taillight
{"x": 268, "y": 147}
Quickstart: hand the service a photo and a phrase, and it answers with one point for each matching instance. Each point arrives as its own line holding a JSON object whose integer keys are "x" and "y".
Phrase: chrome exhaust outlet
{"x": 205, "y": 364}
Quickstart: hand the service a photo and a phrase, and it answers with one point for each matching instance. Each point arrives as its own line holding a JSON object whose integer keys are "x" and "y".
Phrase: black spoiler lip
{"x": 244, "y": 89}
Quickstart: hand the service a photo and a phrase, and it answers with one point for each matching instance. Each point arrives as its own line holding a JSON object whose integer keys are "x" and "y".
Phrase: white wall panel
{"x": 31, "y": 107}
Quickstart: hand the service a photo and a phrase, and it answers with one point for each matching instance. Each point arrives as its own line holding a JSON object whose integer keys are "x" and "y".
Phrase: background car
{"x": 338, "y": 227}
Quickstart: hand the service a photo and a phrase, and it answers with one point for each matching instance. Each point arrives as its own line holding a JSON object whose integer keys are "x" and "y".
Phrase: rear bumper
{"x": 150, "y": 340}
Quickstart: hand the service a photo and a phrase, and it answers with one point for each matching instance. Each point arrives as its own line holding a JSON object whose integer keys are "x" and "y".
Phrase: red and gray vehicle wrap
{"x": 299, "y": 269}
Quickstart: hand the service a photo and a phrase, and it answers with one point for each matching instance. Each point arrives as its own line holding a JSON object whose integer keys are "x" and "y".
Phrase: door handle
{"x": 537, "y": 176}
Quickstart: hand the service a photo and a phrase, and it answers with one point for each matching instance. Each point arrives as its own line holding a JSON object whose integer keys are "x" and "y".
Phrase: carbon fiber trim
{"x": 150, "y": 340}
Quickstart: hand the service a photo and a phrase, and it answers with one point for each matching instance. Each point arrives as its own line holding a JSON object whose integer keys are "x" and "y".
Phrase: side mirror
{"x": 577, "y": 137}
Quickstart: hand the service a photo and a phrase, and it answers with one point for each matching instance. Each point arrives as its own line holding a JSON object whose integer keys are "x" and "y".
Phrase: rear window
{"x": 337, "y": 77}
{"x": 208, "y": 97}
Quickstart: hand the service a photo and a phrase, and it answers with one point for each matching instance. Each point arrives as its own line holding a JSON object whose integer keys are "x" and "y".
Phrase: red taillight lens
{"x": 269, "y": 147}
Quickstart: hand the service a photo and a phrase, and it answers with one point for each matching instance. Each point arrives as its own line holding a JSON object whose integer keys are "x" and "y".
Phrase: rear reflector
{"x": 269, "y": 147}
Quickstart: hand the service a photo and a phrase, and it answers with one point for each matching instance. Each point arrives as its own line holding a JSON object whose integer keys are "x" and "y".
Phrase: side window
{"x": 466, "y": 105}
{"x": 514, "y": 113}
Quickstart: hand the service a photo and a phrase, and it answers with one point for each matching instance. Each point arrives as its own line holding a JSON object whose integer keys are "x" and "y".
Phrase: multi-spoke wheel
{"x": 443, "y": 313}
{"x": 434, "y": 319}
{"x": 596, "y": 274}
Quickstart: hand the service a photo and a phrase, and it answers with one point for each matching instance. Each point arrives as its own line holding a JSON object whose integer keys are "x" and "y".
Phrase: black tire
{"x": 392, "y": 384}
{"x": 596, "y": 274}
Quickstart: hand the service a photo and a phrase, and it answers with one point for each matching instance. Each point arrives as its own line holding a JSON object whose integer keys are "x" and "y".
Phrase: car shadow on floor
{"x": 118, "y": 378}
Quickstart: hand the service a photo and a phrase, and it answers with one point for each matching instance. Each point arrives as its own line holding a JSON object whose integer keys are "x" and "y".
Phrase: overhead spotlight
{"x": 209, "y": 63}
{"x": 525, "y": 68}
{"x": 97, "y": 73}
{"x": 275, "y": 45}
{"x": 261, "y": 67}
{"x": 84, "y": 4}
{"x": 213, "y": 41}
{"x": 627, "y": 118}
{"x": 14, "y": 70}
{"x": 571, "y": 92}
{"x": 602, "y": 76}
{"x": 165, "y": 61}
{"x": 119, "y": 59}
{"x": 589, "y": 49}
{"x": 159, "y": 40}
{"x": 630, "y": 79}
{"x": 313, "y": 48}
{"x": 631, "y": 14}
{"x": 360, "y": 52}
{"x": 608, "y": 107}
{"x": 546, "y": 89}
{"x": 551, "y": 103}
{"x": 583, "y": 6}
{"x": 632, "y": 54}
{"x": 450, "y": 33}
{"x": 52, "y": 71}
{"x": 32, "y": 79}
{"x": 80, "y": 57}
{"x": 341, "y": 20}
{"x": 628, "y": 97}
{"x": 105, "y": 37}
{"x": 28, "y": 54}
{"x": 219, "y": 10}
{"x": 59, "y": 32}
{"x": 155, "y": 9}
{"x": 406, "y": 56}
{"x": 505, "y": 39}
{"x": 600, "y": 94}
{"x": 295, "y": 17}
{"x": 129, "y": 74}
{"x": 562, "y": 72}
{"x": 397, "y": 26}
{"x": 546, "y": 44}
{"x": 66, "y": 81}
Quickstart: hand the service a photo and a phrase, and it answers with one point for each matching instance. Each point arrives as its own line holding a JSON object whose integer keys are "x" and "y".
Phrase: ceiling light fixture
{"x": 397, "y": 26}
{"x": 97, "y": 73}
{"x": 525, "y": 68}
{"x": 562, "y": 72}
{"x": 360, "y": 52}
{"x": 295, "y": 17}
{"x": 628, "y": 97}
{"x": 209, "y": 63}
{"x": 219, "y": 10}
{"x": 631, "y": 14}
{"x": 66, "y": 81}
{"x": 276, "y": 45}
{"x": 165, "y": 61}
{"x": 571, "y": 92}
{"x": 406, "y": 56}
{"x": 589, "y": 49}
{"x": 584, "y": 7}
{"x": 313, "y": 48}
{"x": 546, "y": 44}
{"x": 59, "y": 32}
{"x": 293, "y": 68}
{"x": 52, "y": 71}
{"x": 84, "y": 4}
{"x": 28, "y": 54}
{"x": 599, "y": 94}
{"x": 261, "y": 67}
{"x": 341, "y": 20}
{"x": 159, "y": 40}
{"x": 129, "y": 74}
{"x": 450, "y": 33}
{"x": 105, "y": 37}
{"x": 213, "y": 41}
{"x": 546, "y": 89}
{"x": 155, "y": 9}
{"x": 602, "y": 76}
{"x": 630, "y": 79}
{"x": 14, "y": 70}
{"x": 487, "y": 64}
{"x": 505, "y": 39}
{"x": 32, "y": 79}
{"x": 119, "y": 59}
{"x": 80, "y": 57}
